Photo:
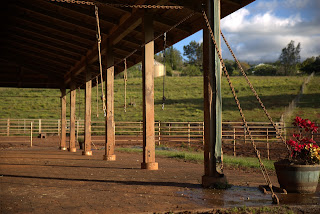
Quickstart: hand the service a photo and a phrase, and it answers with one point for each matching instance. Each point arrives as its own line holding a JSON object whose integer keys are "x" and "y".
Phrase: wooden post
{"x": 8, "y": 127}
{"x": 203, "y": 133}
{"x": 148, "y": 95}
{"x": 234, "y": 142}
{"x": 245, "y": 134}
{"x": 87, "y": 125}
{"x": 72, "y": 144}
{"x": 24, "y": 126}
{"x": 189, "y": 144}
{"x": 39, "y": 126}
{"x": 268, "y": 149}
{"x": 63, "y": 144}
{"x": 110, "y": 138}
{"x": 77, "y": 132}
{"x": 212, "y": 99}
{"x": 59, "y": 128}
{"x": 169, "y": 128}
{"x": 159, "y": 132}
{"x": 31, "y": 134}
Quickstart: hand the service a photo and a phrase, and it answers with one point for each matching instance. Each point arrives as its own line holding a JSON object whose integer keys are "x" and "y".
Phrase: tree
{"x": 264, "y": 70}
{"x": 311, "y": 65}
{"x": 173, "y": 58}
{"x": 290, "y": 57}
{"x": 230, "y": 66}
{"x": 193, "y": 51}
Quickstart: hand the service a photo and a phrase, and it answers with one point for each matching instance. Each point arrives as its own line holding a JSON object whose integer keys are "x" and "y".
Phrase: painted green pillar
{"x": 212, "y": 100}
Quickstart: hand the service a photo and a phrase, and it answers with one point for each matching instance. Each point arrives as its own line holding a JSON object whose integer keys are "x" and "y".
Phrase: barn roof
{"x": 45, "y": 43}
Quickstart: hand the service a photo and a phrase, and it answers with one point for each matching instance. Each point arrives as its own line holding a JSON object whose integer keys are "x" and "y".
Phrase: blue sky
{"x": 259, "y": 31}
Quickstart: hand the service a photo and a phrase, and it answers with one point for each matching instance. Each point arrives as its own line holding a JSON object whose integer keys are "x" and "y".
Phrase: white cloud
{"x": 260, "y": 36}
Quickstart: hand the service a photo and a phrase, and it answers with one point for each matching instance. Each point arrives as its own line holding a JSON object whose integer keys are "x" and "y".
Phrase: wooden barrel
{"x": 297, "y": 178}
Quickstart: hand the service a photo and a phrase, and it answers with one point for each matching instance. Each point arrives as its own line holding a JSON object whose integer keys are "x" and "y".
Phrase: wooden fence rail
{"x": 189, "y": 133}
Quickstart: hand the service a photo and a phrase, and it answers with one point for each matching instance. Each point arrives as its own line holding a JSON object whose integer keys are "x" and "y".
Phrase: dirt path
{"x": 45, "y": 180}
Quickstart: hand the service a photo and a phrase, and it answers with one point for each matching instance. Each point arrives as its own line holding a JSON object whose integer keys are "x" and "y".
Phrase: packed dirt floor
{"x": 43, "y": 179}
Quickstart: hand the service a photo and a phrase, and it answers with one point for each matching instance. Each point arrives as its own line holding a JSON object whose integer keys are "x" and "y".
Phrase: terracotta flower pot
{"x": 297, "y": 178}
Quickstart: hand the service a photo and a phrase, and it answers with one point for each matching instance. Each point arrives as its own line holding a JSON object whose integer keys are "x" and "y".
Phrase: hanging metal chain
{"x": 262, "y": 167}
{"x": 141, "y": 6}
{"x": 125, "y": 78}
{"x": 144, "y": 6}
{"x": 100, "y": 63}
{"x": 255, "y": 93}
{"x": 75, "y": 2}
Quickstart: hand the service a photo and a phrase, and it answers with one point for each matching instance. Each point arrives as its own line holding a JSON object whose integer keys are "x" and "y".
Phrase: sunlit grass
{"x": 247, "y": 162}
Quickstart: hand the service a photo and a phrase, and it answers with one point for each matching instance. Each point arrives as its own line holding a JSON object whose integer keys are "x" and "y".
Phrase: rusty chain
{"x": 255, "y": 93}
{"x": 141, "y": 6}
{"x": 262, "y": 167}
{"x": 100, "y": 60}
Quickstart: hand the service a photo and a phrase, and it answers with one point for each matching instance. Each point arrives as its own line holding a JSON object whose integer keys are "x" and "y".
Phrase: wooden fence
{"x": 168, "y": 131}
{"x": 188, "y": 133}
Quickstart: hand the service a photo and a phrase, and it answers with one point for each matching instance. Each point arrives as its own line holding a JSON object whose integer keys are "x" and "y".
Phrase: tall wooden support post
{"x": 87, "y": 125}
{"x": 212, "y": 100}
{"x": 72, "y": 144}
{"x": 110, "y": 125}
{"x": 148, "y": 95}
{"x": 63, "y": 144}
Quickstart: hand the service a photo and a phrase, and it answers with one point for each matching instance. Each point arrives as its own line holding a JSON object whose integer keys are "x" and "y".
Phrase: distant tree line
{"x": 287, "y": 64}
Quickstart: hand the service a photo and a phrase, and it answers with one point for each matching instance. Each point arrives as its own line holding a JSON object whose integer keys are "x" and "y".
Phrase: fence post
{"x": 245, "y": 134}
{"x": 8, "y": 127}
{"x": 268, "y": 144}
{"x": 31, "y": 134}
{"x": 159, "y": 135}
{"x": 234, "y": 141}
{"x": 140, "y": 123}
{"x": 202, "y": 133}
{"x": 189, "y": 133}
{"x": 59, "y": 123}
{"x": 169, "y": 128}
{"x": 39, "y": 126}
{"x": 24, "y": 126}
{"x": 77, "y": 130}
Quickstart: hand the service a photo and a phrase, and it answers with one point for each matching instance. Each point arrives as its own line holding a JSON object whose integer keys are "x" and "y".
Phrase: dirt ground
{"x": 43, "y": 179}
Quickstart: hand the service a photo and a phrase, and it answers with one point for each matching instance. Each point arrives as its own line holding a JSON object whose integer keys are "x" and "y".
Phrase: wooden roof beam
{"x": 91, "y": 55}
{"x": 13, "y": 56}
{"x": 53, "y": 46}
{"x": 44, "y": 51}
{"x": 52, "y": 17}
{"x": 42, "y": 28}
{"x": 47, "y": 37}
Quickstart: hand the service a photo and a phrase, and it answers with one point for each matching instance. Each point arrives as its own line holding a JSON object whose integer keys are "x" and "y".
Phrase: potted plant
{"x": 300, "y": 172}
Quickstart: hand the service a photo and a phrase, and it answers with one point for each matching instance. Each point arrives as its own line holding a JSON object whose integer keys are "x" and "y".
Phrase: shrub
{"x": 191, "y": 70}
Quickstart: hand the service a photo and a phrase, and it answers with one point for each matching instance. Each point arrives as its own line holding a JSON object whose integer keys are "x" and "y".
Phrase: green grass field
{"x": 184, "y": 100}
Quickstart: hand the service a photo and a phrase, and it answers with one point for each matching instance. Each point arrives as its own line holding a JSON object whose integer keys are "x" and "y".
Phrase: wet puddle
{"x": 239, "y": 196}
